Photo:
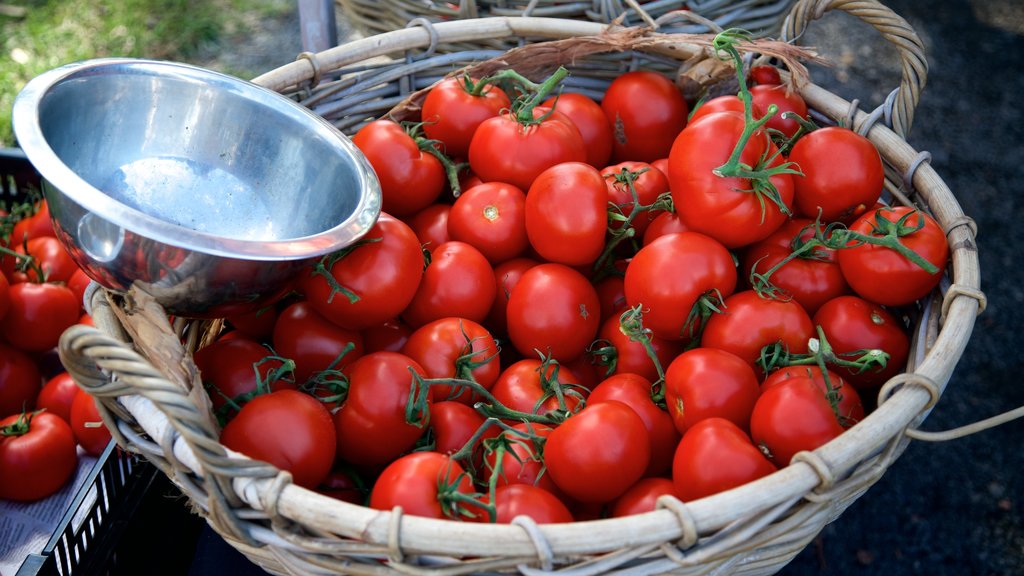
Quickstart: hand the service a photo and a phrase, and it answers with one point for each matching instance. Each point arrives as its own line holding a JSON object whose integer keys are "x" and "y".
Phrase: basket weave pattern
{"x": 134, "y": 362}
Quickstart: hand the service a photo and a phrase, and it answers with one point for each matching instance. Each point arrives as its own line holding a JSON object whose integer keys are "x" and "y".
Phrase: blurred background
{"x": 942, "y": 509}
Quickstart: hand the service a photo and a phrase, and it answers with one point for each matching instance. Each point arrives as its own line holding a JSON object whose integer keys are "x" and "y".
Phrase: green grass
{"x": 44, "y": 34}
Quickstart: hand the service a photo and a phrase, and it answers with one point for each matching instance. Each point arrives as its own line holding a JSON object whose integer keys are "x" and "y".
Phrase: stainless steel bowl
{"x": 205, "y": 190}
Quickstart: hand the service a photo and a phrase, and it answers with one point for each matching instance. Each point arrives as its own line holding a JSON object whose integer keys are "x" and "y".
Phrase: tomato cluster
{"x": 44, "y": 417}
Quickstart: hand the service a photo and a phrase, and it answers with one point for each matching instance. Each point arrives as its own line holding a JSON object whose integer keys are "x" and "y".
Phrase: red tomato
{"x": 314, "y": 343}
{"x": 642, "y": 497}
{"x": 883, "y": 275}
{"x": 90, "y": 431}
{"x": 554, "y": 310}
{"x": 622, "y": 354}
{"x": 453, "y": 425}
{"x": 492, "y": 218}
{"x": 382, "y": 272}
{"x": 598, "y": 453}
{"x": 288, "y": 429}
{"x": 848, "y": 405}
{"x": 389, "y": 336}
{"x": 20, "y": 381}
{"x": 786, "y": 99}
{"x": 714, "y": 456}
{"x": 726, "y": 103}
{"x": 811, "y": 279}
{"x": 37, "y": 455}
{"x": 635, "y": 392}
{"x": 423, "y": 483}
{"x": 34, "y": 226}
{"x": 632, "y": 184}
{"x": 5, "y": 295}
{"x": 459, "y": 281}
{"x": 611, "y": 291}
{"x": 842, "y": 174}
{"x": 593, "y": 125}
{"x": 344, "y": 486}
{"x": 851, "y": 323}
{"x": 792, "y": 416}
{"x": 431, "y": 225}
{"x": 706, "y": 383}
{"x": 516, "y": 457}
{"x": 530, "y": 386}
{"x": 729, "y": 209}
{"x": 410, "y": 178}
{"x": 567, "y": 214}
{"x": 38, "y": 315}
{"x": 668, "y": 276}
{"x": 662, "y": 225}
{"x": 646, "y": 111}
{"x": 256, "y": 325}
{"x": 51, "y": 257}
{"x": 506, "y": 276}
{"x": 372, "y": 425}
{"x": 232, "y": 368}
{"x": 764, "y": 74}
{"x": 538, "y": 504}
{"x": 749, "y": 322}
{"x": 505, "y": 150}
{"x": 455, "y": 107}
{"x": 455, "y": 348}
{"x": 57, "y": 395}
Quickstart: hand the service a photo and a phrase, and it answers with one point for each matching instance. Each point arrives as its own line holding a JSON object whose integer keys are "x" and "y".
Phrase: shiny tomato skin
{"x": 413, "y": 481}
{"x": 51, "y": 256}
{"x": 848, "y": 403}
{"x": 598, "y": 453}
{"x": 453, "y": 425}
{"x": 764, "y": 74}
{"x": 389, "y": 336}
{"x": 647, "y": 182}
{"x": 90, "y": 431}
{"x": 383, "y": 271}
{"x": 670, "y": 274}
{"x": 643, "y": 496}
{"x": 725, "y": 208}
{"x": 841, "y": 194}
{"x": 523, "y": 460}
{"x": 229, "y": 368}
{"x": 851, "y": 323}
{"x": 646, "y": 110}
{"x": 38, "y": 315}
{"x": 786, "y": 99}
{"x": 635, "y": 391}
{"x": 506, "y": 276}
{"x": 371, "y": 425}
{"x": 554, "y": 310}
{"x": 454, "y": 347}
{"x": 726, "y": 103}
{"x": 492, "y": 218}
{"x": 57, "y": 395}
{"x": 611, "y": 291}
{"x": 314, "y": 343}
{"x": 20, "y": 381}
{"x": 459, "y": 282}
{"x": 410, "y": 178}
{"x": 792, "y": 416}
{"x": 451, "y": 113}
{"x": 37, "y": 463}
{"x": 664, "y": 224}
{"x": 882, "y": 275}
{"x": 705, "y": 383}
{"x": 714, "y": 456}
{"x": 431, "y": 225}
{"x": 566, "y": 214}
{"x": 528, "y": 386}
{"x": 750, "y": 322}
{"x": 628, "y": 356}
{"x": 288, "y": 429}
{"x": 538, "y": 504}
{"x": 256, "y": 325}
{"x": 593, "y": 125}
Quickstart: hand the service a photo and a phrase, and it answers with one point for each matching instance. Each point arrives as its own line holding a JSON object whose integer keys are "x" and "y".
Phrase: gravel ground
{"x": 956, "y": 507}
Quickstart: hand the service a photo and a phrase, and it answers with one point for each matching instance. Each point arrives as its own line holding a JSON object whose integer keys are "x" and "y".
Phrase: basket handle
{"x": 899, "y": 107}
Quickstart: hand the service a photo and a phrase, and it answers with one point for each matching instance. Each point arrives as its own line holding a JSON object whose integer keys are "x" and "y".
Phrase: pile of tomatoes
{"x": 46, "y": 421}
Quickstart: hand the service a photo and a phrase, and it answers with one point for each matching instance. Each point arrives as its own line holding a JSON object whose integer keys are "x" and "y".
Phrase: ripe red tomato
{"x": 729, "y": 209}
{"x": 792, "y": 416}
{"x": 51, "y": 257}
{"x": 849, "y": 407}
{"x": 230, "y": 368}
{"x": 668, "y": 276}
{"x": 624, "y": 355}
{"x": 554, "y": 310}
{"x": 288, "y": 429}
{"x": 646, "y": 111}
{"x": 431, "y": 225}
{"x": 538, "y": 504}
{"x": 662, "y": 225}
{"x": 389, "y": 335}
{"x": 598, "y": 453}
{"x": 453, "y": 425}
{"x": 37, "y": 455}
{"x": 883, "y": 275}
{"x": 459, "y": 282}
{"x": 516, "y": 456}
{"x": 749, "y": 322}
{"x": 642, "y": 497}
{"x": 786, "y": 99}
{"x": 256, "y": 325}
{"x": 38, "y": 315}
{"x": 422, "y": 483}
{"x": 382, "y": 272}
{"x": 343, "y": 485}
{"x": 505, "y": 150}
{"x": 455, "y": 107}
{"x": 567, "y": 214}
{"x": 372, "y": 425}
{"x": 492, "y": 218}
{"x": 57, "y": 395}
{"x": 34, "y": 226}
{"x": 714, "y": 456}
{"x": 314, "y": 343}
{"x": 842, "y": 174}
{"x": 20, "y": 381}
{"x": 636, "y": 392}
{"x": 725, "y": 103}
{"x": 528, "y": 385}
{"x": 593, "y": 125}
{"x": 455, "y": 348}
{"x": 611, "y": 291}
{"x": 851, "y": 323}
{"x": 410, "y": 178}
{"x": 705, "y": 383}
{"x": 648, "y": 184}
{"x": 506, "y": 276}
{"x": 764, "y": 74}
{"x": 90, "y": 431}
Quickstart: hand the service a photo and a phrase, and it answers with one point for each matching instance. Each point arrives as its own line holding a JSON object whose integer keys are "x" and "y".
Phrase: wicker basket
{"x": 133, "y": 362}
{"x": 760, "y": 17}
